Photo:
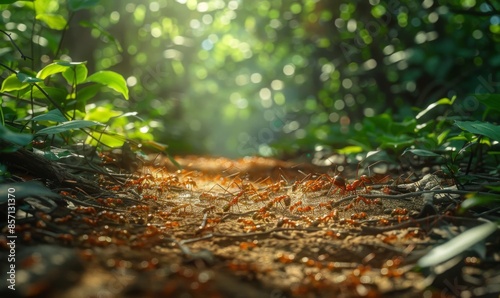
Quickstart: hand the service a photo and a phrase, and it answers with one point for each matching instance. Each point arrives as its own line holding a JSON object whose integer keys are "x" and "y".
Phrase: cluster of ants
{"x": 263, "y": 199}
{"x": 268, "y": 200}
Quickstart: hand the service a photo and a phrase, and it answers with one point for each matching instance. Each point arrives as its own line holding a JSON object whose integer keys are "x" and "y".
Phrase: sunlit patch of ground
{"x": 247, "y": 228}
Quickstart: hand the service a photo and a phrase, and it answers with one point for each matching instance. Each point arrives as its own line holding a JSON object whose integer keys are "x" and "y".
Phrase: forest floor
{"x": 252, "y": 227}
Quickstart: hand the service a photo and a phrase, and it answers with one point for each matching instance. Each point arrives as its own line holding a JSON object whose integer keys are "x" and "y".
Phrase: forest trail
{"x": 252, "y": 227}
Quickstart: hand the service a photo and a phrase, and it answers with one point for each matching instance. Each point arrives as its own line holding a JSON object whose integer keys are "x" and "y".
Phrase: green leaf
{"x": 422, "y": 152}
{"x": 25, "y": 189}
{"x": 84, "y": 94}
{"x": 12, "y": 83}
{"x": 69, "y": 63}
{"x": 78, "y": 72}
{"x": 58, "y": 94}
{"x": 52, "y": 115}
{"x": 350, "y": 150}
{"x": 66, "y": 126}
{"x": 103, "y": 113}
{"x": 75, "y": 5}
{"x": 24, "y": 78}
{"x": 474, "y": 200}
{"x": 493, "y": 187}
{"x": 480, "y": 128}
{"x": 51, "y": 69}
{"x": 58, "y": 154}
{"x": 110, "y": 79}
{"x": 442, "y": 136}
{"x": 457, "y": 245}
{"x": 7, "y": 1}
{"x": 20, "y": 139}
{"x": 491, "y": 101}
{"x": 442, "y": 101}
{"x": 54, "y": 21}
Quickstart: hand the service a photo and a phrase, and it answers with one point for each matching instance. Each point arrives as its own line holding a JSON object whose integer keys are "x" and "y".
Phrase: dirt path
{"x": 249, "y": 228}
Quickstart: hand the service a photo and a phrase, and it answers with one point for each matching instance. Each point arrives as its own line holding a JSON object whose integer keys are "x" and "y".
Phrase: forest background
{"x": 272, "y": 78}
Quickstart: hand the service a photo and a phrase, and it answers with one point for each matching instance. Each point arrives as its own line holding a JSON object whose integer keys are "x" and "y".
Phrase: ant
{"x": 209, "y": 196}
{"x": 181, "y": 206}
{"x": 342, "y": 184}
{"x": 189, "y": 184}
{"x": 262, "y": 213}
{"x": 137, "y": 208}
{"x": 327, "y": 205}
{"x": 85, "y": 210}
{"x": 365, "y": 200}
{"x": 276, "y": 187}
{"x": 332, "y": 215}
{"x": 63, "y": 219}
{"x": 262, "y": 196}
{"x": 286, "y": 222}
{"x": 399, "y": 211}
{"x": 233, "y": 202}
{"x": 248, "y": 224}
{"x": 248, "y": 245}
{"x": 305, "y": 209}
{"x": 361, "y": 215}
{"x": 284, "y": 198}
{"x": 352, "y": 222}
{"x": 150, "y": 197}
{"x": 295, "y": 205}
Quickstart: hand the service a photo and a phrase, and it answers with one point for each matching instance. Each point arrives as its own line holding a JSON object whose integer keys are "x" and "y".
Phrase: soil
{"x": 252, "y": 227}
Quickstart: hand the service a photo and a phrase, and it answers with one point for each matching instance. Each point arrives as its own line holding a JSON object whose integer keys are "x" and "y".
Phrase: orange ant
{"x": 85, "y": 210}
{"x": 171, "y": 224}
{"x": 247, "y": 245}
{"x": 356, "y": 183}
{"x": 327, "y": 205}
{"x": 262, "y": 213}
{"x": 248, "y": 224}
{"x": 332, "y": 215}
{"x": 361, "y": 215}
{"x": 284, "y": 198}
{"x": 233, "y": 202}
{"x": 368, "y": 201}
{"x": 399, "y": 211}
{"x": 262, "y": 196}
{"x": 63, "y": 219}
{"x": 276, "y": 187}
{"x": 208, "y": 196}
{"x": 297, "y": 184}
{"x": 181, "y": 206}
{"x": 364, "y": 200}
{"x": 150, "y": 197}
{"x": 295, "y": 205}
{"x": 383, "y": 222}
{"x": 322, "y": 182}
{"x": 137, "y": 208}
{"x": 305, "y": 209}
{"x": 189, "y": 183}
{"x": 352, "y": 222}
{"x": 344, "y": 186}
{"x": 285, "y": 258}
{"x": 286, "y": 222}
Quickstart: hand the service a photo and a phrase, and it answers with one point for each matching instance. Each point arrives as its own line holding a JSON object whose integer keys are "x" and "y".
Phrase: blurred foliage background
{"x": 276, "y": 77}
